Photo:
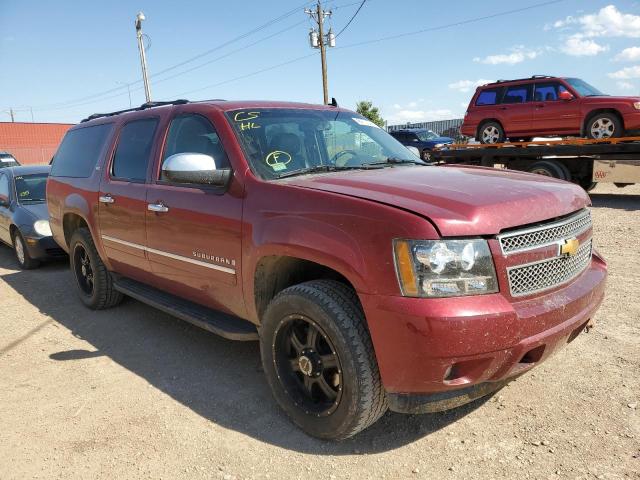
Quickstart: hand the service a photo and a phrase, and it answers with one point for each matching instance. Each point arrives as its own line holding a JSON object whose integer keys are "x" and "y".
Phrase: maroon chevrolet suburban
{"x": 371, "y": 279}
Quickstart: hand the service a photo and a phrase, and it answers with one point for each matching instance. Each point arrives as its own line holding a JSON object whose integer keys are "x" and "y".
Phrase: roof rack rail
{"x": 144, "y": 106}
{"x": 521, "y": 79}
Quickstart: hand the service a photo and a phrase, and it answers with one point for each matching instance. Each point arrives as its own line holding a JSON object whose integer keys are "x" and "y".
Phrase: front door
{"x": 122, "y": 202}
{"x": 193, "y": 231}
{"x": 5, "y": 210}
{"x": 552, "y": 115}
{"x": 516, "y": 110}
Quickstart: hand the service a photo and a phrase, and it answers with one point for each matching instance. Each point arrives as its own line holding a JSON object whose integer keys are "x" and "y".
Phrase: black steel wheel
{"x": 308, "y": 365}
{"x": 94, "y": 282}
{"x": 319, "y": 361}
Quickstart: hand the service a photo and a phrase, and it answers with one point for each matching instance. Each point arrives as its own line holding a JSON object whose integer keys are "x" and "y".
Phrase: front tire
{"x": 94, "y": 282}
{"x": 22, "y": 253}
{"x": 490, "y": 133}
{"x": 319, "y": 360}
{"x": 604, "y": 125}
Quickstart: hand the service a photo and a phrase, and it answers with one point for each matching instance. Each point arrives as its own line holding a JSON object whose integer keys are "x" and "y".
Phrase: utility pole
{"x": 11, "y": 113}
{"x": 128, "y": 85}
{"x": 143, "y": 59}
{"x": 318, "y": 39}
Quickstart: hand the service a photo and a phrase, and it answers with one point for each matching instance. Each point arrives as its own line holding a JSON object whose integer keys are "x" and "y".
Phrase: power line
{"x": 351, "y": 19}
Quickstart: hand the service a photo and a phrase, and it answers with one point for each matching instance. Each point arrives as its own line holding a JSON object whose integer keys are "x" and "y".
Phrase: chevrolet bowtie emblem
{"x": 569, "y": 247}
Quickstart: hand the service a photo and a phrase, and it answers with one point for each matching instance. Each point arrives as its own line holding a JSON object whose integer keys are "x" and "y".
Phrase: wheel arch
{"x": 71, "y": 221}
{"x": 274, "y": 273}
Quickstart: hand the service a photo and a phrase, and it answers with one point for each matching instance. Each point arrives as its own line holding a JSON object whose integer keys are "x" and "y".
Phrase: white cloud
{"x": 607, "y": 22}
{"x": 630, "y": 54}
{"x": 626, "y": 73}
{"x": 622, "y": 85}
{"x": 578, "y": 46}
{"x": 465, "y": 86}
{"x": 518, "y": 55}
{"x": 415, "y": 116}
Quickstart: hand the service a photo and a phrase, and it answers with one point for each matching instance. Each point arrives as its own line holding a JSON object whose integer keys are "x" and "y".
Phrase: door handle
{"x": 157, "y": 207}
{"x": 106, "y": 199}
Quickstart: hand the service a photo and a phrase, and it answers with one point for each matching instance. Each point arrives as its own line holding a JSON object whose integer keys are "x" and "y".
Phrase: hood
{"x": 460, "y": 201}
{"x": 37, "y": 210}
{"x": 612, "y": 98}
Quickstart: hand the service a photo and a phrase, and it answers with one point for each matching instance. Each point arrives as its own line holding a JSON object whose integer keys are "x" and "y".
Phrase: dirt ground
{"x": 134, "y": 393}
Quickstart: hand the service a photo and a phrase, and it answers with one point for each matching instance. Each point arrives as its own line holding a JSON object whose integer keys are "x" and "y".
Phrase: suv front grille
{"x": 546, "y": 274}
{"x": 547, "y": 234}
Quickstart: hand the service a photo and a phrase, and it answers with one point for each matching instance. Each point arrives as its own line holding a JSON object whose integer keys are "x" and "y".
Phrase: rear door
{"x": 516, "y": 109}
{"x": 193, "y": 232}
{"x": 552, "y": 115}
{"x": 122, "y": 202}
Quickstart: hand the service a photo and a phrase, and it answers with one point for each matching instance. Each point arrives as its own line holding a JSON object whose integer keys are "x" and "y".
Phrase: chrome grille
{"x": 547, "y": 234}
{"x": 546, "y": 274}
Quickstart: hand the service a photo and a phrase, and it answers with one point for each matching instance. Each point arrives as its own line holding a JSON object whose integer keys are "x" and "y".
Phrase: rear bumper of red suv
{"x": 473, "y": 345}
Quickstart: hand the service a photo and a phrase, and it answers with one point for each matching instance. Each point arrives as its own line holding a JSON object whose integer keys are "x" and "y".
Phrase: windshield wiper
{"x": 325, "y": 168}
{"x": 397, "y": 161}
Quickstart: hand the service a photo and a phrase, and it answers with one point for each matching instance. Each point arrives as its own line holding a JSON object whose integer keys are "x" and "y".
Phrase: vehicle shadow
{"x": 629, "y": 203}
{"x": 218, "y": 379}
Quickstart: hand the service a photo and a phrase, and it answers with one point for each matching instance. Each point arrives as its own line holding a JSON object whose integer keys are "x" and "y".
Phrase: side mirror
{"x": 194, "y": 168}
{"x": 416, "y": 140}
{"x": 414, "y": 150}
{"x": 4, "y": 201}
{"x": 566, "y": 96}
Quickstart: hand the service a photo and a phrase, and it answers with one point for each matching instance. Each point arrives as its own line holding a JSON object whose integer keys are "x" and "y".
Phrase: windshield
{"x": 31, "y": 188}
{"x": 279, "y": 142}
{"x": 583, "y": 88}
{"x": 427, "y": 135}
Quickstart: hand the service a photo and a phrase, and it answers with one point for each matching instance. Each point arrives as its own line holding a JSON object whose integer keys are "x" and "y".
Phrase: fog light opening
{"x": 534, "y": 355}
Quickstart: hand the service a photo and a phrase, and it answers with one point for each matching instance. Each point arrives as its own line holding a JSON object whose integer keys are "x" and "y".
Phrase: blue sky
{"x": 68, "y": 59}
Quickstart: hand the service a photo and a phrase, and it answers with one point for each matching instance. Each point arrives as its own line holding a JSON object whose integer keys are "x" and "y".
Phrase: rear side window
{"x": 78, "y": 153}
{"x": 516, "y": 94}
{"x": 131, "y": 158}
{"x": 488, "y": 97}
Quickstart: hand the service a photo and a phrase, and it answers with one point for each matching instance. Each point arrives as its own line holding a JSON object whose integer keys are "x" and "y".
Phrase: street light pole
{"x": 143, "y": 59}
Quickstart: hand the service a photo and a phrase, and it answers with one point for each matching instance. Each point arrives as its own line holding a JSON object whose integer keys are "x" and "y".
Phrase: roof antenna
{"x": 334, "y": 102}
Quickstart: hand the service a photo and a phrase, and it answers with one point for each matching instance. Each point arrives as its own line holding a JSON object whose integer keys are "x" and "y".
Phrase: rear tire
{"x": 490, "y": 133}
{"x": 550, "y": 168}
{"x": 94, "y": 282}
{"x": 319, "y": 361}
{"x": 604, "y": 125}
{"x": 22, "y": 253}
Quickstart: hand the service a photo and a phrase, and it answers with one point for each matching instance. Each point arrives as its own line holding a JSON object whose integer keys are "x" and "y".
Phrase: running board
{"x": 223, "y": 324}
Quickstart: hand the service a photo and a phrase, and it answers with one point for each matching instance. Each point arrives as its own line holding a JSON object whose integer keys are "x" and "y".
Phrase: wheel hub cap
{"x": 310, "y": 363}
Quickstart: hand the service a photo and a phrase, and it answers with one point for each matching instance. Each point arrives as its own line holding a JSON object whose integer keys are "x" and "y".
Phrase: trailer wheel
{"x": 491, "y": 132}
{"x": 587, "y": 183}
{"x": 550, "y": 168}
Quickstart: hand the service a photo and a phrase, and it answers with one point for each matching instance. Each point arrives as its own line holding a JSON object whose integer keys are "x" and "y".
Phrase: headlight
{"x": 438, "y": 145}
{"x": 444, "y": 268}
{"x": 636, "y": 105}
{"x": 42, "y": 228}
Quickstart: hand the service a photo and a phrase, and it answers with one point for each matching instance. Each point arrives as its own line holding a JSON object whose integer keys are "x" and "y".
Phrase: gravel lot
{"x": 132, "y": 392}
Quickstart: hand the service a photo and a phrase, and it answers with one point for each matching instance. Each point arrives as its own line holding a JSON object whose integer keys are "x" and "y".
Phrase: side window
{"x": 79, "y": 151}
{"x": 516, "y": 94}
{"x": 488, "y": 97}
{"x": 134, "y": 148}
{"x": 4, "y": 186}
{"x": 547, "y": 92}
{"x": 192, "y": 133}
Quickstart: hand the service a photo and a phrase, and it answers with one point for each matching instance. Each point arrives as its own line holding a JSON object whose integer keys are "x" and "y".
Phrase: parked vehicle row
{"x": 548, "y": 106}
{"x": 371, "y": 279}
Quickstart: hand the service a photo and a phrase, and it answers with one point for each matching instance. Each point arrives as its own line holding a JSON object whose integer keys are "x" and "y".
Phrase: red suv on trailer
{"x": 547, "y": 106}
{"x": 372, "y": 279}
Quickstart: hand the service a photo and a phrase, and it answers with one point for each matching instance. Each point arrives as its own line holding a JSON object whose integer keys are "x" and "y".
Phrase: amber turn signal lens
{"x": 404, "y": 265}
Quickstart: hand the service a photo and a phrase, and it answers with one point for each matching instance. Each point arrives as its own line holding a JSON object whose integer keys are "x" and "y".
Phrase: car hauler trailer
{"x": 582, "y": 161}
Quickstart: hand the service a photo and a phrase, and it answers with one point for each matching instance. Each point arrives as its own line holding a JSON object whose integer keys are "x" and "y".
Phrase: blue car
{"x": 421, "y": 138}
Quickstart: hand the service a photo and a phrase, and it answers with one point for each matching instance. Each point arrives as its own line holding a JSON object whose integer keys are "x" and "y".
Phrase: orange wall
{"x": 31, "y": 143}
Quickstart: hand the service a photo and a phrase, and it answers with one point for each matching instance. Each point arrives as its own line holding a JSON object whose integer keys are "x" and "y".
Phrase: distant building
{"x": 32, "y": 143}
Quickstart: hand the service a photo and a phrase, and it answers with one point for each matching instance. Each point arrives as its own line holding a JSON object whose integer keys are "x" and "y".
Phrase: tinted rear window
{"x": 488, "y": 97}
{"x": 78, "y": 154}
{"x": 134, "y": 148}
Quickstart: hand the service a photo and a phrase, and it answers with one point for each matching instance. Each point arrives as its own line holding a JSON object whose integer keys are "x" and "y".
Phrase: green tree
{"x": 367, "y": 110}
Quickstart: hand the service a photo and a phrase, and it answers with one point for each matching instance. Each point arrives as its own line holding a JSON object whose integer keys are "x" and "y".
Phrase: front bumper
{"x": 43, "y": 248}
{"x": 426, "y": 346}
